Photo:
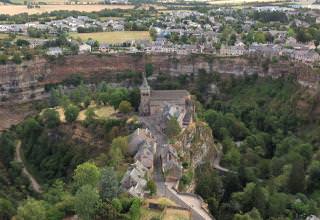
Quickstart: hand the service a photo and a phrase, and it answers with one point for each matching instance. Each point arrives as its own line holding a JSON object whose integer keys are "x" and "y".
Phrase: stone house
{"x": 232, "y": 50}
{"x": 138, "y": 139}
{"x": 171, "y": 166}
{"x": 306, "y": 56}
{"x": 183, "y": 115}
{"x": 134, "y": 180}
{"x": 145, "y": 156}
{"x": 36, "y": 42}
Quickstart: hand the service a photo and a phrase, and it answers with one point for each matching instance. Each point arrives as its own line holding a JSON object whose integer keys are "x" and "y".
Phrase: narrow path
{"x": 35, "y": 185}
{"x": 216, "y": 163}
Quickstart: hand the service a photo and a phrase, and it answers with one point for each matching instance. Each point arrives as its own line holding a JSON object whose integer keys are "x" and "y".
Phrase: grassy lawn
{"x": 174, "y": 214}
{"x": 114, "y": 37}
{"x": 101, "y": 112}
{"x": 148, "y": 214}
{"x": 162, "y": 201}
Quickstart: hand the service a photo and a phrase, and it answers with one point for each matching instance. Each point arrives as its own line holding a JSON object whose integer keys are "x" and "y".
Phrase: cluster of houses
{"x": 72, "y": 24}
{"x": 194, "y": 32}
{"x": 69, "y": 24}
{"x": 291, "y": 49}
{"x": 142, "y": 147}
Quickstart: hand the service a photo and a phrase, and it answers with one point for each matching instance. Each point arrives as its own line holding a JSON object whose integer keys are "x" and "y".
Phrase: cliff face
{"x": 196, "y": 144}
{"x": 26, "y": 81}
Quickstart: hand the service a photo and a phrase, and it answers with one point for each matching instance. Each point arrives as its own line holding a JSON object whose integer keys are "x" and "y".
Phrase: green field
{"x": 113, "y": 37}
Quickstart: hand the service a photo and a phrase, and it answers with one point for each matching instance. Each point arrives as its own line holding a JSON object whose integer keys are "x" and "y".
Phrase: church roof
{"x": 159, "y": 95}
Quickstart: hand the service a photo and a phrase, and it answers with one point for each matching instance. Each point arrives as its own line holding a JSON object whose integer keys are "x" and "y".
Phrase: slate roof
{"x": 162, "y": 95}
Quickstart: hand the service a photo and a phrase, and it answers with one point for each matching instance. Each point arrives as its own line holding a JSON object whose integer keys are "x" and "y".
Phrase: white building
{"x": 54, "y": 51}
{"x": 84, "y": 48}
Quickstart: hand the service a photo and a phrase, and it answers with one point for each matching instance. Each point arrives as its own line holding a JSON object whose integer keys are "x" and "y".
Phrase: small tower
{"x": 145, "y": 93}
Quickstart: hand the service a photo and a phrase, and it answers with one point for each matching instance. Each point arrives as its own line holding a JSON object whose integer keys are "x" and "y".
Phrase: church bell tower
{"x": 145, "y": 93}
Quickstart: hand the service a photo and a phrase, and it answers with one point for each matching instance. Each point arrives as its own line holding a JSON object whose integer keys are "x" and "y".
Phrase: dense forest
{"x": 270, "y": 145}
{"x": 271, "y": 149}
{"x": 57, "y": 154}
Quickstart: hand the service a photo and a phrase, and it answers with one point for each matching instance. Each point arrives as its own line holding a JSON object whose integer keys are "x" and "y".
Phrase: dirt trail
{"x": 35, "y": 185}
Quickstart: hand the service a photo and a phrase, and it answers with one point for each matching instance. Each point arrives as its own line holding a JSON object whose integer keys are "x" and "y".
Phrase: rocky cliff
{"x": 26, "y": 81}
{"x": 196, "y": 144}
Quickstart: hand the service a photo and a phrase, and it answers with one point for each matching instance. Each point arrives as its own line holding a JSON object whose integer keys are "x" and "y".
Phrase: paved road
{"x": 35, "y": 185}
{"x": 150, "y": 123}
{"x": 190, "y": 201}
{"x": 165, "y": 188}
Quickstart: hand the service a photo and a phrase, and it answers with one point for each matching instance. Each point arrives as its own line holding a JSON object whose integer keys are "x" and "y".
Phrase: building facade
{"x": 155, "y": 102}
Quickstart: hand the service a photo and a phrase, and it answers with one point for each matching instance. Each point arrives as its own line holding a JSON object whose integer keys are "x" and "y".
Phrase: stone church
{"x": 166, "y": 103}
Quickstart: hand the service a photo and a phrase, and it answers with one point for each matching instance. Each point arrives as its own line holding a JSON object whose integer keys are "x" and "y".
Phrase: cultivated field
{"x": 3, "y": 36}
{"x": 113, "y": 37}
{"x": 17, "y": 9}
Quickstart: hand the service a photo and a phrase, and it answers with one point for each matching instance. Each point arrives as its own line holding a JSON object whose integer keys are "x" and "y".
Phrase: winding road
{"x": 216, "y": 163}
{"x": 35, "y": 185}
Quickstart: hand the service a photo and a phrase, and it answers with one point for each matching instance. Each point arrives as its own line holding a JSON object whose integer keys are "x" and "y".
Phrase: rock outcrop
{"x": 27, "y": 80}
{"x": 196, "y": 144}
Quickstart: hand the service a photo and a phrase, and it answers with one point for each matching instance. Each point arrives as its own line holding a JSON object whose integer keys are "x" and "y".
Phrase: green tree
{"x": 296, "y": 181}
{"x": 115, "y": 156}
{"x": 109, "y": 184}
{"x": 71, "y": 113}
{"x": 120, "y": 143}
{"x": 32, "y": 210}
{"x": 7, "y": 147}
{"x": 172, "y": 128}
{"x": 86, "y": 202}
{"x": 125, "y": 107}
{"x": 151, "y": 186}
{"x": 135, "y": 209}
{"x": 51, "y": 118}
{"x": 55, "y": 96}
{"x": 6, "y": 209}
{"x": 134, "y": 97}
{"x": 21, "y": 42}
{"x": 3, "y": 59}
{"x": 260, "y": 37}
{"x": 153, "y": 34}
{"x": 252, "y": 215}
{"x": 107, "y": 211}
{"x": 86, "y": 174}
{"x": 314, "y": 176}
{"x": 148, "y": 69}
{"x": 17, "y": 58}
{"x": 117, "y": 96}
